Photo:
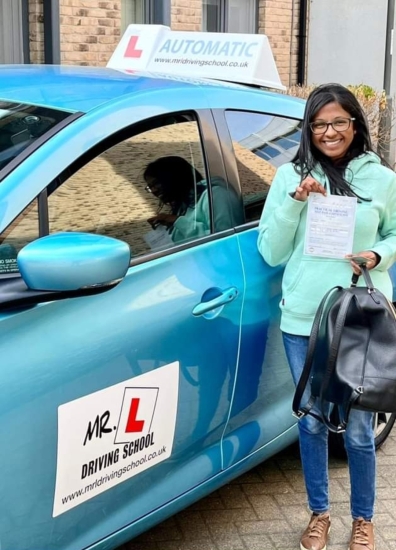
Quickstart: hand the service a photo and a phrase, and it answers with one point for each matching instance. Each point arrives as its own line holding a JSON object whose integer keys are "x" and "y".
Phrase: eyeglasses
{"x": 339, "y": 125}
{"x": 153, "y": 187}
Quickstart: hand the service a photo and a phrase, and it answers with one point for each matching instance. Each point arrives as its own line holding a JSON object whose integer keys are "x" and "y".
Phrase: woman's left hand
{"x": 372, "y": 261}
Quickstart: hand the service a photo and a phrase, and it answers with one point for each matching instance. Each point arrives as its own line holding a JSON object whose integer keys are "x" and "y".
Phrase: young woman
{"x": 335, "y": 157}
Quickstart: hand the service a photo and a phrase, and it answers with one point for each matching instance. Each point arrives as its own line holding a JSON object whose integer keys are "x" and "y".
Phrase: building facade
{"x": 86, "y": 32}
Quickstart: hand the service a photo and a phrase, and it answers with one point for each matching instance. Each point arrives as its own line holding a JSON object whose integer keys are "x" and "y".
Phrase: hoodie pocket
{"x": 294, "y": 281}
{"x": 313, "y": 279}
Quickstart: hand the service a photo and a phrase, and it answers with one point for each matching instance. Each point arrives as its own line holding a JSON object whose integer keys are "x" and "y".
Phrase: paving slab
{"x": 265, "y": 509}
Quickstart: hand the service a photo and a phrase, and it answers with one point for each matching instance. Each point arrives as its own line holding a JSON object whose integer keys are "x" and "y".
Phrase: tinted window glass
{"x": 23, "y": 230}
{"x": 211, "y": 15}
{"x": 21, "y": 125}
{"x": 229, "y": 16}
{"x": 261, "y": 143}
{"x": 149, "y": 190}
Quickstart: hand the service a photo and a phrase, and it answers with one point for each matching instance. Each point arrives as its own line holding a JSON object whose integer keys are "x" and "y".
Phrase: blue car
{"x": 142, "y": 363}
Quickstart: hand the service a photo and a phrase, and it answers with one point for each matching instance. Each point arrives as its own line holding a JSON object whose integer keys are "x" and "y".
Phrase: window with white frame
{"x": 229, "y": 16}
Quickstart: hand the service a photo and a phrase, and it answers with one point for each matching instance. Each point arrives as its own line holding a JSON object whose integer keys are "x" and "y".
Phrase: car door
{"x": 255, "y": 144}
{"x": 115, "y": 404}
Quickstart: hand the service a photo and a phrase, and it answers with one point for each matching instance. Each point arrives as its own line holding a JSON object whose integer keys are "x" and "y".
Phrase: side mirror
{"x": 73, "y": 261}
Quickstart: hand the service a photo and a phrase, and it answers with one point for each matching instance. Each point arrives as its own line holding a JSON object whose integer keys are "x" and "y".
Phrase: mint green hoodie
{"x": 195, "y": 222}
{"x": 307, "y": 278}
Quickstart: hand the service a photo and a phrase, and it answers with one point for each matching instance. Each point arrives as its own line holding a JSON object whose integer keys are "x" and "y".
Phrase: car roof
{"x": 81, "y": 89}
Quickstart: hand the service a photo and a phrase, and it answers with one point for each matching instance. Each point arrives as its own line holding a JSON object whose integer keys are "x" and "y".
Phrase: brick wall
{"x": 186, "y": 15}
{"x": 36, "y": 31}
{"x": 90, "y": 30}
{"x": 279, "y": 21}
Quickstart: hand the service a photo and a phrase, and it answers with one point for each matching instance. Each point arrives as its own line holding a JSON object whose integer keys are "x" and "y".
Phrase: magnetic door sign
{"x": 109, "y": 436}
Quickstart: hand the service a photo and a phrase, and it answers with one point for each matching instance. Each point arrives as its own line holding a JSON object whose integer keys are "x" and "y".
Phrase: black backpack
{"x": 351, "y": 358}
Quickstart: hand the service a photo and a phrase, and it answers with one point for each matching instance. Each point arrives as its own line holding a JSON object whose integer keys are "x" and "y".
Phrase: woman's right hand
{"x": 162, "y": 219}
{"x": 307, "y": 186}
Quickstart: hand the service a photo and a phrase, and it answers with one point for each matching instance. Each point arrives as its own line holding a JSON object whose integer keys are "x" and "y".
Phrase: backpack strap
{"x": 369, "y": 283}
{"x": 299, "y": 411}
{"x": 331, "y": 363}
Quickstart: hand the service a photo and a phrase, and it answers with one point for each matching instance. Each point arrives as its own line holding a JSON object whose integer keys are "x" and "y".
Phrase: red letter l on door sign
{"x": 134, "y": 425}
{"x": 131, "y": 50}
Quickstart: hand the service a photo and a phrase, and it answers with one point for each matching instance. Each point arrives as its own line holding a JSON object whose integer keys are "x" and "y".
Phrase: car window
{"x": 21, "y": 125}
{"x": 149, "y": 190}
{"x": 261, "y": 143}
{"x": 23, "y": 230}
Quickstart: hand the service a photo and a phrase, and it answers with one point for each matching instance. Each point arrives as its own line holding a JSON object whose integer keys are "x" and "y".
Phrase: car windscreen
{"x": 21, "y": 125}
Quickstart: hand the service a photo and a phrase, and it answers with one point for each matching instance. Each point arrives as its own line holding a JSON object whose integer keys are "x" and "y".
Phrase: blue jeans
{"x": 359, "y": 445}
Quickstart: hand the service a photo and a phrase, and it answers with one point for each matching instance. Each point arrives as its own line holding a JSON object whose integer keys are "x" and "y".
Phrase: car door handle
{"x": 225, "y": 297}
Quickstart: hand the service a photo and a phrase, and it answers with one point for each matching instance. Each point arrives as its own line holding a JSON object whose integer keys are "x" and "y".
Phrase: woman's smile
{"x": 331, "y": 142}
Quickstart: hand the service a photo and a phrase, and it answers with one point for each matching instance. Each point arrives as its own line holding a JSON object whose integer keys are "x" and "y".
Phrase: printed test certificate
{"x": 330, "y": 225}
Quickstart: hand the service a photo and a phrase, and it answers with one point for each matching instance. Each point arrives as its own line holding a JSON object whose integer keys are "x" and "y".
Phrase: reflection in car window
{"x": 149, "y": 190}
{"x": 21, "y": 125}
{"x": 261, "y": 143}
{"x": 23, "y": 230}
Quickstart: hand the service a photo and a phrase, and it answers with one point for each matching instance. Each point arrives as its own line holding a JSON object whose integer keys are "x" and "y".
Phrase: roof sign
{"x": 234, "y": 57}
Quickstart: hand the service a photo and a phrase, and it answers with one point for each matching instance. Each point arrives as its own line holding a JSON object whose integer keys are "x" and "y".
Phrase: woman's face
{"x": 154, "y": 186}
{"x": 335, "y": 140}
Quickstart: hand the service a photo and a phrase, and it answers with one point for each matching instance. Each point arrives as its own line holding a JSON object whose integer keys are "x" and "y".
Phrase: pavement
{"x": 265, "y": 509}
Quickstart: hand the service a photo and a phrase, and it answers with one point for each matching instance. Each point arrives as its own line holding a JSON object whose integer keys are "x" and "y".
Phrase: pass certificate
{"x": 330, "y": 225}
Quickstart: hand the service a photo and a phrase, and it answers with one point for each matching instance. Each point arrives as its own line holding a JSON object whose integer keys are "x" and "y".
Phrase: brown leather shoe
{"x": 316, "y": 534}
{"x": 362, "y": 537}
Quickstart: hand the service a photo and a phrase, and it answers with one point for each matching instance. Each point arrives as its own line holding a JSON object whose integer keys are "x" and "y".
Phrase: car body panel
{"x": 260, "y": 409}
{"x": 74, "y": 88}
{"x": 124, "y": 336}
